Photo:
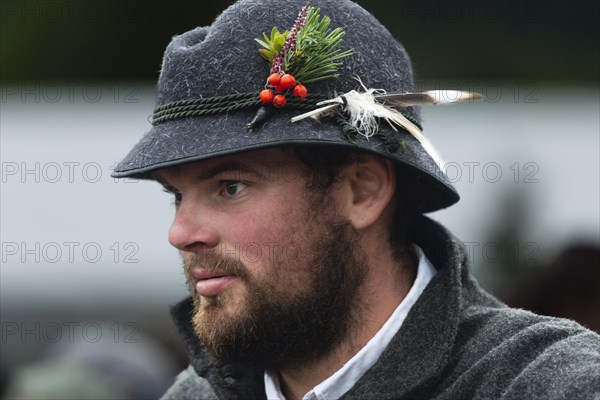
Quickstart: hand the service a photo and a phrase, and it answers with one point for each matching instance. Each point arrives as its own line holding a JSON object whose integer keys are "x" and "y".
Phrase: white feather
{"x": 364, "y": 112}
{"x": 314, "y": 113}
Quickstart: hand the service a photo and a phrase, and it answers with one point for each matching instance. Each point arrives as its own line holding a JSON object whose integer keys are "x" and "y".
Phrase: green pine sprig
{"x": 314, "y": 55}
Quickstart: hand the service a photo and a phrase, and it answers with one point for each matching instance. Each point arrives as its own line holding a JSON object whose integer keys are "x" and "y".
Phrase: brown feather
{"x": 428, "y": 97}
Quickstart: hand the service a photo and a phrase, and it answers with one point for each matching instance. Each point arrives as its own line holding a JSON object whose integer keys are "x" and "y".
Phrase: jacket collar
{"x": 414, "y": 357}
{"x": 423, "y": 345}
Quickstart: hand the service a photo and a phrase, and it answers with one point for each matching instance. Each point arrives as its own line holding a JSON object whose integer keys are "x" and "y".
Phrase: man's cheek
{"x": 253, "y": 253}
{"x": 294, "y": 253}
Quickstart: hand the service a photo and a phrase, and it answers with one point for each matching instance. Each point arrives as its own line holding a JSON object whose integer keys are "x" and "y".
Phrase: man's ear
{"x": 369, "y": 184}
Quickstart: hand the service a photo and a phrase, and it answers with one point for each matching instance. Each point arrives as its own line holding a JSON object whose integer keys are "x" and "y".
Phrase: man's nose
{"x": 193, "y": 228}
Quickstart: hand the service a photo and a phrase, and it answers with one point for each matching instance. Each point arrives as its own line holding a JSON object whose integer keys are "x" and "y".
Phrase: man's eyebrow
{"x": 230, "y": 166}
{"x": 160, "y": 181}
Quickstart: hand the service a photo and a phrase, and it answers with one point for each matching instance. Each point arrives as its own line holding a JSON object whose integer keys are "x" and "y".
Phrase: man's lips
{"x": 210, "y": 283}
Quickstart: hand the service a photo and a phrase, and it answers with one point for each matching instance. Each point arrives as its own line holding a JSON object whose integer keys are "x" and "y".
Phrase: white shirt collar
{"x": 344, "y": 378}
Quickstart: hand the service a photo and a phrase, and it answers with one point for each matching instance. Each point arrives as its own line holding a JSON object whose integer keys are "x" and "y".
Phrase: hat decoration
{"x": 365, "y": 109}
{"x": 308, "y": 53}
{"x": 312, "y": 68}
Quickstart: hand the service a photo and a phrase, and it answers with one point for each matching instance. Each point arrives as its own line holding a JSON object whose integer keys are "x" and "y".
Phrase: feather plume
{"x": 365, "y": 109}
{"x": 428, "y": 97}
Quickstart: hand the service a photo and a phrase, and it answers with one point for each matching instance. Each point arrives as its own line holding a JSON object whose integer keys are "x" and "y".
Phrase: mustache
{"x": 213, "y": 262}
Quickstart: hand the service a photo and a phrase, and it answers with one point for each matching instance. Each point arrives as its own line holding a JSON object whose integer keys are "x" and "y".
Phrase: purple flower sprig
{"x": 290, "y": 40}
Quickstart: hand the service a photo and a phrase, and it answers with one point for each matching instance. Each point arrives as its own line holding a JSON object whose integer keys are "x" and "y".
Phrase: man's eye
{"x": 232, "y": 188}
{"x": 178, "y": 197}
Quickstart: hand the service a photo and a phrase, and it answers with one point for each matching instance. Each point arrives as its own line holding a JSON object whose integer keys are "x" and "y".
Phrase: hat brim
{"x": 192, "y": 139}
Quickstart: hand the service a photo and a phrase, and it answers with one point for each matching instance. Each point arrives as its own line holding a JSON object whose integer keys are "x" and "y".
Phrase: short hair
{"x": 325, "y": 163}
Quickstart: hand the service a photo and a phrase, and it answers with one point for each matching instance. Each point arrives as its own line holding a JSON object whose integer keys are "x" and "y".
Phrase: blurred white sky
{"x": 67, "y": 208}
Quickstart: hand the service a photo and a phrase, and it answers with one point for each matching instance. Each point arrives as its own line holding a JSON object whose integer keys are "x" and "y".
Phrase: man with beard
{"x": 313, "y": 272}
{"x": 286, "y": 315}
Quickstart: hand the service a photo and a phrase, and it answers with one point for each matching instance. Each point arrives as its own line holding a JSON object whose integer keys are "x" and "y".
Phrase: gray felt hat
{"x": 223, "y": 59}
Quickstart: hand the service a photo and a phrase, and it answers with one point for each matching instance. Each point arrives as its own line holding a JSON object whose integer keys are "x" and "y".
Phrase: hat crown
{"x": 224, "y": 58}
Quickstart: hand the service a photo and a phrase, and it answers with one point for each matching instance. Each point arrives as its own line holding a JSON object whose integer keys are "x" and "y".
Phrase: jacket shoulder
{"x": 514, "y": 354}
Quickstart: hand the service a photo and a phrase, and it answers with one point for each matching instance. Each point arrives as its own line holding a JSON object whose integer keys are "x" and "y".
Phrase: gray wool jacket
{"x": 457, "y": 342}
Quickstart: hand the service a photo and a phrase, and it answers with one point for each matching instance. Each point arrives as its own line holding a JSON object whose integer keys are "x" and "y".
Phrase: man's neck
{"x": 382, "y": 292}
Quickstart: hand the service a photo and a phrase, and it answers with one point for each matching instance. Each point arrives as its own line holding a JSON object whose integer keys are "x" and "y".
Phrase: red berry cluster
{"x": 281, "y": 84}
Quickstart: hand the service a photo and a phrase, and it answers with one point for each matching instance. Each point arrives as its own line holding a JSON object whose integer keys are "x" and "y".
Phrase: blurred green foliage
{"x": 124, "y": 40}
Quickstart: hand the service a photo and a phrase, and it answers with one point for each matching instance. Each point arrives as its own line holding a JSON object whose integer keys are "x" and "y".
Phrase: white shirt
{"x": 344, "y": 378}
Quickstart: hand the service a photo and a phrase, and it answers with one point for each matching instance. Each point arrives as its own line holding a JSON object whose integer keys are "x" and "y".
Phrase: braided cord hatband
{"x": 223, "y": 104}
{"x": 233, "y": 102}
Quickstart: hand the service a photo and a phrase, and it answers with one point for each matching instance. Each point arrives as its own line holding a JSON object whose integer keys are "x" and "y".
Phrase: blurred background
{"x": 87, "y": 274}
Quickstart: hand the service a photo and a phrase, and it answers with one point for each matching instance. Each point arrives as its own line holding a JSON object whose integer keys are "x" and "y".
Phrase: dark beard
{"x": 282, "y": 327}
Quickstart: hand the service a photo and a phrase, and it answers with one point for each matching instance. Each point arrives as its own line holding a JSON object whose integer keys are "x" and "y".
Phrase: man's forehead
{"x": 259, "y": 162}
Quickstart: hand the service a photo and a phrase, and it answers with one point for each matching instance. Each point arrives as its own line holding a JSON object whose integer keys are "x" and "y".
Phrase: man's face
{"x": 272, "y": 269}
